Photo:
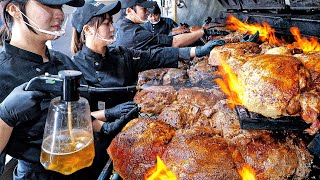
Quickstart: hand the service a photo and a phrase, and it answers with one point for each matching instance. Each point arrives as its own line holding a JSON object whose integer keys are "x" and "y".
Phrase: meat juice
{"x": 62, "y": 155}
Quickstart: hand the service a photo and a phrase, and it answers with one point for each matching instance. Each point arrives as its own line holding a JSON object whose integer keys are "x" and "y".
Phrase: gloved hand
{"x": 21, "y": 106}
{"x": 205, "y": 49}
{"x": 119, "y": 110}
{"x": 215, "y": 32}
{"x": 250, "y": 38}
{"x": 117, "y": 125}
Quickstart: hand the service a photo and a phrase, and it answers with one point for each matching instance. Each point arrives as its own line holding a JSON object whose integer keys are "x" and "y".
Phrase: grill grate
{"x": 249, "y": 120}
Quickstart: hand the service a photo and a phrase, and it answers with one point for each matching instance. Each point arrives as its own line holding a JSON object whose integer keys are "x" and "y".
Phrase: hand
{"x": 21, "y": 106}
{"x": 119, "y": 110}
{"x": 116, "y": 126}
{"x": 214, "y": 32}
{"x": 205, "y": 49}
{"x": 250, "y": 38}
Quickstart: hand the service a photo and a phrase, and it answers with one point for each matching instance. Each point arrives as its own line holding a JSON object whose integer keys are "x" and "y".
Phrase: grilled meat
{"x": 134, "y": 150}
{"x": 223, "y": 53}
{"x": 154, "y": 98}
{"x": 199, "y": 154}
{"x": 271, "y": 83}
{"x": 201, "y": 73}
{"x": 199, "y": 97}
{"x": 175, "y": 76}
{"x": 152, "y": 76}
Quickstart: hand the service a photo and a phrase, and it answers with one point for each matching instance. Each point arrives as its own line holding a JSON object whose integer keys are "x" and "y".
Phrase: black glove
{"x": 119, "y": 110}
{"x": 250, "y": 38}
{"x": 214, "y": 32}
{"x": 21, "y": 106}
{"x": 117, "y": 125}
{"x": 205, "y": 49}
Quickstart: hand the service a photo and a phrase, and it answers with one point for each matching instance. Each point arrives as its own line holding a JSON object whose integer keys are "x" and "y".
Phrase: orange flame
{"x": 247, "y": 173}
{"x": 230, "y": 85}
{"x": 302, "y": 42}
{"x": 160, "y": 172}
{"x": 266, "y": 33}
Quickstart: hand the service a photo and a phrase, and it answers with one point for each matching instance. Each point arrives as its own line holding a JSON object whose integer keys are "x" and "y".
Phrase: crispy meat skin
{"x": 199, "y": 154}
{"x": 233, "y": 37}
{"x": 223, "y": 53}
{"x": 134, "y": 150}
{"x": 271, "y": 83}
{"x": 155, "y": 98}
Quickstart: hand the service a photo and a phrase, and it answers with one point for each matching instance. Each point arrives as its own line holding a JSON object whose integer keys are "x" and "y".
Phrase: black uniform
{"x": 134, "y": 36}
{"x": 120, "y": 67}
{"x": 18, "y": 66}
{"x": 164, "y": 26}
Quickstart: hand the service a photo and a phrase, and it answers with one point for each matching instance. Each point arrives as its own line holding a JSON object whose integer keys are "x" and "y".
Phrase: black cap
{"x": 142, "y": 3}
{"x": 155, "y": 9}
{"x": 74, "y": 3}
{"x": 81, "y": 16}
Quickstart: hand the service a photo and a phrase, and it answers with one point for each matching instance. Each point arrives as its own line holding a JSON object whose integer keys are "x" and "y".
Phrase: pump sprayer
{"x": 68, "y": 138}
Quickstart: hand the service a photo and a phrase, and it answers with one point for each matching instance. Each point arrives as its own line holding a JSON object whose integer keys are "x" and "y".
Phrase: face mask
{"x": 98, "y": 36}
{"x": 137, "y": 17}
{"x": 54, "y": 33}
{"x": 153, "y": 22}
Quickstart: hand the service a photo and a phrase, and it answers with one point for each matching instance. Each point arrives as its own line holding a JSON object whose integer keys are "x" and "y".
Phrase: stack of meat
{"x": 198, "y": 136}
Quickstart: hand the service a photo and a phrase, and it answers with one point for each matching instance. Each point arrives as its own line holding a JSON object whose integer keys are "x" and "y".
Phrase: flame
{"x": 160, "y": 172}
{"x": 230, "y": 85}
{"x": 266, "y": 33}
{"x": 247, "y": 173}
{"x": 302, "y": 42}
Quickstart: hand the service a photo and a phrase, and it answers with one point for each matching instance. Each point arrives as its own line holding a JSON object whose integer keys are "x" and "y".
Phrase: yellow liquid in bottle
{"x": 66, "y": 156}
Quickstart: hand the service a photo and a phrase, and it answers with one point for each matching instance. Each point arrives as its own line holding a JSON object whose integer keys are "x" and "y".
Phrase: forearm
{"x": 96, "y": 125}
{"x": 183, "y": 40}
{"x": 99, "y": 115}
{"x": 5, "y": 133}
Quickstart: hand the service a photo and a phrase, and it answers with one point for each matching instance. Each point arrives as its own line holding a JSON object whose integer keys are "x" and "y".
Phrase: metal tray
{"x": 250, "y": 121}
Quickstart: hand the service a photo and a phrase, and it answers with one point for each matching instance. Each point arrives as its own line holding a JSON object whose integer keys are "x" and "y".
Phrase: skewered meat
{"x": 199, "y": 97}
{"x": 222, "y": 53}
{"x": 199, "y": 154}
{"x": 154, "y": 98}
{"x": 134, "y": 150}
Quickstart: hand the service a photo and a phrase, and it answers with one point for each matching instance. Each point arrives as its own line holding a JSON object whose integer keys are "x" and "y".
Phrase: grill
{"x": 279, "y": 14}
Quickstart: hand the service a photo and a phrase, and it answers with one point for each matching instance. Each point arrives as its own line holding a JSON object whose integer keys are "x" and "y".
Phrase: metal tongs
{"x": 250, "y": 38}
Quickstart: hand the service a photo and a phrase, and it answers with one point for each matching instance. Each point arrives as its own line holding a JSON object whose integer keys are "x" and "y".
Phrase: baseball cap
{"x": 154, "y": 9}
{"x": 81, "y": 16}
{"x": 142, "y": 3}
{"x": 74, "y": 3}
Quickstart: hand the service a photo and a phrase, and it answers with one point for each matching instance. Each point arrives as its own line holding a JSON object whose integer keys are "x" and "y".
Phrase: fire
{"x": 160, "y": 172}
{"x": 266, "y": 33}
{"x": 302, "y": 42}
{"x": 247, "y": 173}
{"x": 230, "y": 85}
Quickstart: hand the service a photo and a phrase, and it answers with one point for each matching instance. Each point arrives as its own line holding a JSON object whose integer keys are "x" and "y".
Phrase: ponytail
{"x": 77, "y": 41}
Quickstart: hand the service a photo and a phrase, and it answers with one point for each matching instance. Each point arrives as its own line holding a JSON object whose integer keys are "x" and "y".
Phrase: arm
{"x": 5, "y": 133}
{"x": 186, "y": 39}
